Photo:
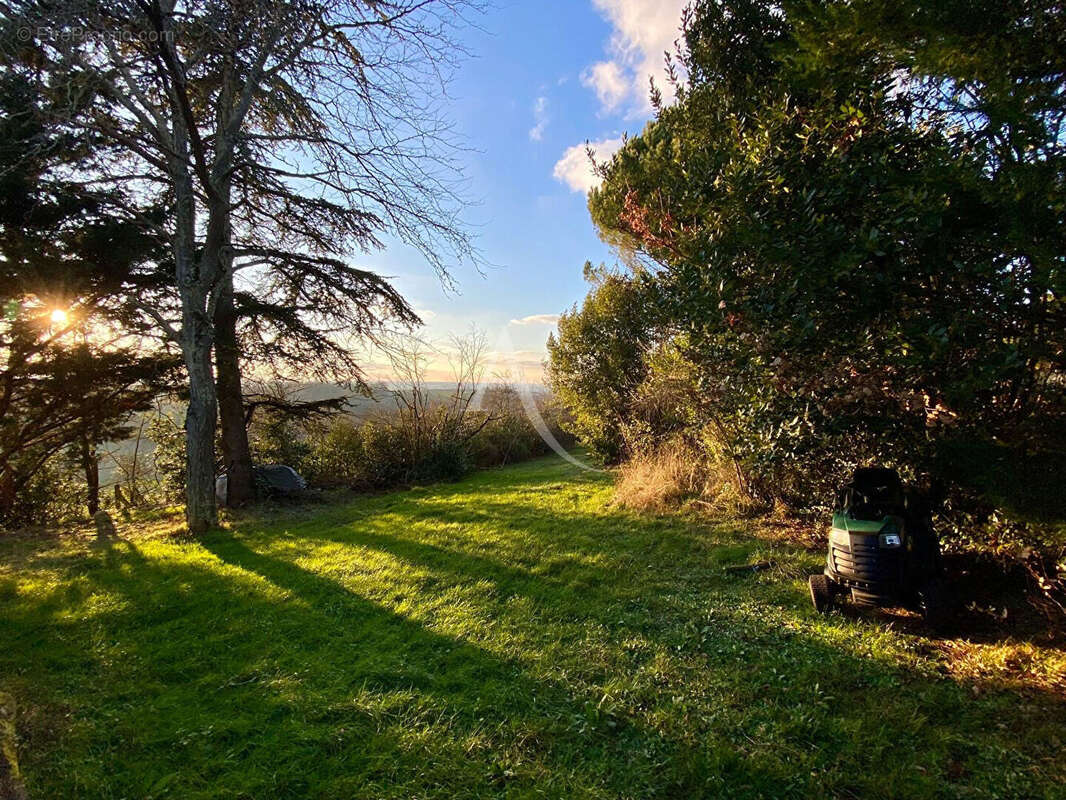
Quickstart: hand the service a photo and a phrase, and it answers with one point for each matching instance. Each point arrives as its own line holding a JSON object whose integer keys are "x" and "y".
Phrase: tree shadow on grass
{"x": 790, "y": 677}
{"x": 571, "y": 740}
{"x": 603, "y": 561}
{"x": 253, "y": 676}
{"x": 195, "y": 682}
{"x": 747, "y": 748}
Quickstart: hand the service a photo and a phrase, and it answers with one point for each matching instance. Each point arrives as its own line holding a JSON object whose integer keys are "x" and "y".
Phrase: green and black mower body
{"x": 883, "y": 550}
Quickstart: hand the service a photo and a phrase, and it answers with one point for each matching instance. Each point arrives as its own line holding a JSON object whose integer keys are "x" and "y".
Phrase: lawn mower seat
{"x": 873, "y": 493}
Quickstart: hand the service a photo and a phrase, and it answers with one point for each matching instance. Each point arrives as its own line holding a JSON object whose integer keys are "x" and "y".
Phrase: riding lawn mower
{"x": 883, "y": 550}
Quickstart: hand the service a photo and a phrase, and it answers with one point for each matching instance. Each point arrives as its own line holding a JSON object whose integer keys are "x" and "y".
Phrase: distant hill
{"x": 382, "y": 398}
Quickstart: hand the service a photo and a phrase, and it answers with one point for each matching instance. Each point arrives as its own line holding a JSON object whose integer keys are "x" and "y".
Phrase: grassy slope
{"x": 510, "y": 635}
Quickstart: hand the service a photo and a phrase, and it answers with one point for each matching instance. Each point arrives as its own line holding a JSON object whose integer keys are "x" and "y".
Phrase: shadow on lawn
{"x": 560, "y": 725}
{"x": 204, "y": 678}
{"x": 602, "y": 553}
{"x": 312, "y": 694}
{"x": 263, "y": 697}
{"x": 595, "y": 588}
{"x": 536, "y": 720}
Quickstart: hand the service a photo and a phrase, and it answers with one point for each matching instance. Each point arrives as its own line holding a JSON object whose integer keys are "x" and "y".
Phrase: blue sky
{"x": 544, "y": 77}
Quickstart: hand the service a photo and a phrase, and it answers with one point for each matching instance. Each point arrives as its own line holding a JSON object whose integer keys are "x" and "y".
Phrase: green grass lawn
{"x": 512, "y": 635}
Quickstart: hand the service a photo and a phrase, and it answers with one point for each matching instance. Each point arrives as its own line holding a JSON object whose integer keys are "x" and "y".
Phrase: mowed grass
{"x": 512, "y": 635}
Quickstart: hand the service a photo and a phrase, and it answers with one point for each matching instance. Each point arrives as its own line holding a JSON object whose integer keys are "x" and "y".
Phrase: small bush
{"x": 507, "y": 435}
{"x": 383, "y": 452}
{"x": 275, "y": 437}
{"x": 54, "y": 495}
{"x": 336, "y": 456}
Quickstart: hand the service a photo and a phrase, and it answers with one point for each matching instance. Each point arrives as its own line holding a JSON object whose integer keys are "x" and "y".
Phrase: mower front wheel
{"x": 821, "y": 593}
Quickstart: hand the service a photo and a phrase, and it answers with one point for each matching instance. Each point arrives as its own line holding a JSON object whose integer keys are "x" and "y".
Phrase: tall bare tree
{"x": 286, "y": 134}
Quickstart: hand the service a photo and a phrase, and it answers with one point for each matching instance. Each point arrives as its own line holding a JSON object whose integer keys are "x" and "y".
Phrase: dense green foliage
{"x": 597, "y": 361}
{"x": 53, "y": 495}
{"x": 383, "y": 452}
{"x": 512, "y": 635}
{"x": 856, "y": 221}
{"x": 68, "y": 248}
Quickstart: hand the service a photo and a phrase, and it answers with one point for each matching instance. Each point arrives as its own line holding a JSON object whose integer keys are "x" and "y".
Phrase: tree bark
{"x": 197, "y": 275}
{"x": 193, "y": 279}
{"x": 240, "y": 481}
{"x": 201, "y": 513}
{"x": 90, "y": 465}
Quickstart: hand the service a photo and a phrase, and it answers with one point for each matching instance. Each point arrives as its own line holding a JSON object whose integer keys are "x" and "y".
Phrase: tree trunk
{"x": 240, "y": 482}
{"x": 196, "y": 277}
{"x": 90, "y": 465}
{"x": 201, "y": 513}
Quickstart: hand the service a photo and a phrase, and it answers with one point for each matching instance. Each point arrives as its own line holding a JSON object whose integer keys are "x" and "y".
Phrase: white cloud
{"x": 643, "y": 31}
{"x": 574, "y": 168}
{"x": 537, "y": 319}
{"x": 426, "y": 314}
{"x": 540, "y": 117}
{"x": 609, "y": 82}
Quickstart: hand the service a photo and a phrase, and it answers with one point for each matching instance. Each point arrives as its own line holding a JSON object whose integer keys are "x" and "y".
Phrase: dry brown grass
{"x": 665, "y": 477}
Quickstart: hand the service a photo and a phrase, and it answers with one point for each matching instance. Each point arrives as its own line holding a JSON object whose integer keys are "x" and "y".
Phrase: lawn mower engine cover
{"x": 869, "y": 537}
{"x": 867, "y": 556}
